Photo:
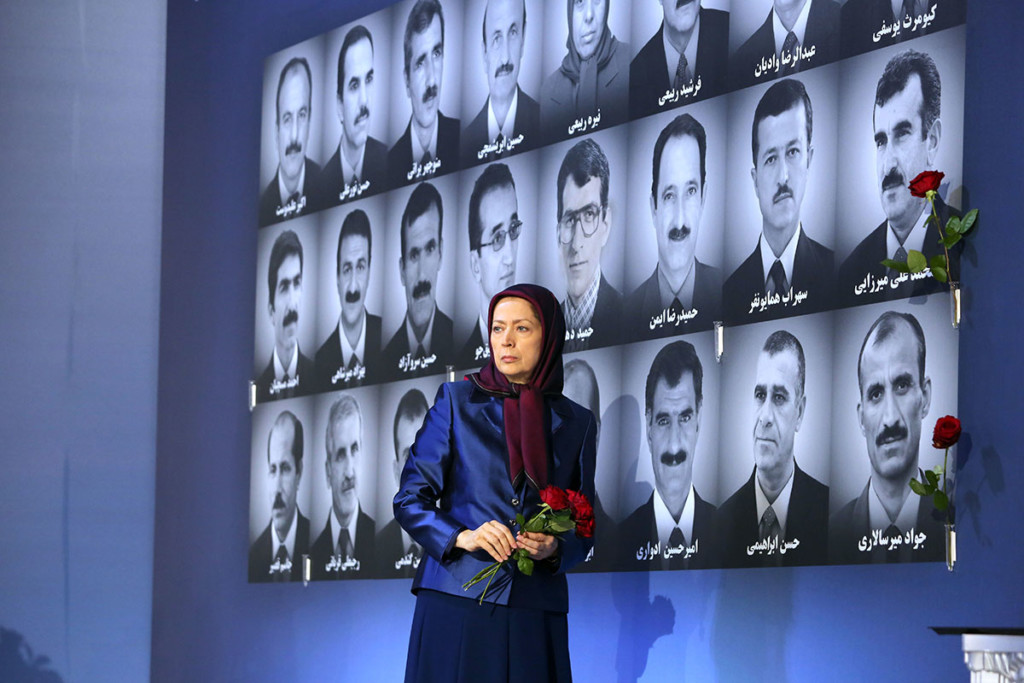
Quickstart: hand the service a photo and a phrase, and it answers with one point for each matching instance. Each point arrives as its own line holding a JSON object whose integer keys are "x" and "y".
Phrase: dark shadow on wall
{"x": 18, "y": 664}
{"x": 642, "y": 620}
{"x": 751, "y": 624}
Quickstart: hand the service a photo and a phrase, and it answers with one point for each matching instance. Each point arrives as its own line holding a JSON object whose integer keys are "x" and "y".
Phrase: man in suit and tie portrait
{"x": 895, "y": 394}
{"x": 508, "y": 112}
{"x": 348, "y": 357}
{"x": 691, "y": 46}
{"x": 345, "y": 548}
{"x": 674, "y": 529}
{"x": 680, "y": 283}
{"x": 359, "y": 157}
{"x": 277, "y": 553}
{"x": 591, "y": 305}
{"x": 399, "y": 555}
{"x": 423, "y": 343}
{"x": 780, "y": 515}
{"x": 796, "y": 36}
{"x": 908, "y": 132}
{"x": 494, "y": 228}
{"x": 290, "y": 192}
{"x": 788, "y": 269}
{"x": 289, "y": 372}
{"x": 430, "y": 135}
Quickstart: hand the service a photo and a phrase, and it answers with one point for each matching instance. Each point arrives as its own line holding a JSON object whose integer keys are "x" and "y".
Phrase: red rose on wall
{"x": 947, "y": 432}
{"x": 925, "y": 182}
{"x": 555, "y": 498}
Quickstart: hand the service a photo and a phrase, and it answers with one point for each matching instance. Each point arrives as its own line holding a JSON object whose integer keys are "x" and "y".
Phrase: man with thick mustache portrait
{"x": 895, "y": 394}
{"x": 692, "y": 46}
{"x": 292, "y": 190}
{"x": 494, "y": 228}
{"x": 276, "y": 555}
{"x": 349, "y": 356}
{"x": 680, "y": 284}
{"x": 399, "y": 555}
{"x": 289, "y": 372}
{"x": 797, "y": 35}
{"x": 430, "y": 136}
{"x": 908, "y": 131}
{"x": 423, "y": 343}
{"x": 345, "y": 548}
{"x": 360, "y": 159}
{"x": 675, "y": 528}
{"x": 780, "y": 515}
{"x": 508, "y": 111}
{"x": 790, "y": 271}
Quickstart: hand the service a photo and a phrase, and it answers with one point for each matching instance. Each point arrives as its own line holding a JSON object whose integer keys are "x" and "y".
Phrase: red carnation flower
{"x": 581, "y": 508}
{"x": 925, "y": 182}
{"x": 947, "y": 432}
{"x": 585, "y": 528}
{"x": 555, "y": 498}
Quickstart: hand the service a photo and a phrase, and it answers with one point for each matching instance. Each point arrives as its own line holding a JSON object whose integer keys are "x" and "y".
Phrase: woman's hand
{"x": 539, "y": 546}
{"x": 492, "y": 536}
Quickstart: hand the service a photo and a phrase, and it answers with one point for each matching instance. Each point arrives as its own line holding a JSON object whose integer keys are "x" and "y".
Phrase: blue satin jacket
{"x": 457, "y": 477}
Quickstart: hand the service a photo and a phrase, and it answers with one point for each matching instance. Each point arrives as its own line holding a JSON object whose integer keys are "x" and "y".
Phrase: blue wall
{"x": 809, "y": 624}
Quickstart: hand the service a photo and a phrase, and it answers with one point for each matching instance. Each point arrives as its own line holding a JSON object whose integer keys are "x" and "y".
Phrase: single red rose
{"x": 585, "y": 528}
{"x": 947, "y": 432}
{"x": 925, "y": 182}
{"x": 555, "y": 497}
{"x": 581, "y": 508}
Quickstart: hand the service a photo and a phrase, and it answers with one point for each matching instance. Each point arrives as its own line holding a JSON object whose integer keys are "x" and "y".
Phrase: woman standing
{"x": 487, "y": 446}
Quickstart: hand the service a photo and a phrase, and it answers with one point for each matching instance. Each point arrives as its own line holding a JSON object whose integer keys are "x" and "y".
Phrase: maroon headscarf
{"x": 525, "y": 432}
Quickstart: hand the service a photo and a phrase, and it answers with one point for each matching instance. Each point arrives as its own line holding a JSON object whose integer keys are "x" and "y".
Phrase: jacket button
{"x": 515, "y": 501}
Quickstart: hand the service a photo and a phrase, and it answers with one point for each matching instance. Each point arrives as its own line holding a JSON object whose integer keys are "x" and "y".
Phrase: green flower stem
{"x": 949, "y": 275}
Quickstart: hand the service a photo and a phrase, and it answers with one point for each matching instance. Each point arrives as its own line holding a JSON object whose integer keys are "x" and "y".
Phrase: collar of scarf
{"x": 572, "y": 65}
{"x": 526, "y": 424}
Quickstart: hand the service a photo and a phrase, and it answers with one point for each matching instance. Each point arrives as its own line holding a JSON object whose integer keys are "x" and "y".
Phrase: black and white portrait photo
{"x": 356, "y": 97}
{"x": 286, "y": 310}
{"x": 916, "y": 124}
{"x": 344, "y": 492}
{"x": 776, "y": 416}
{"x": 780, "y": 230}
{"x": 501, "y": 114}
{"x": 279, "y": 532}
{"x": 426, "y": 138}
{"x": 289, "y": 178}
{"x": 351, "y": 284}
{"x": 682, "y": 54}
{"x": 677, "y": 167}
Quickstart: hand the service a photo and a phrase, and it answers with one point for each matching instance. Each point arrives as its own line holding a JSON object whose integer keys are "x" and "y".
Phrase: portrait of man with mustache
{"x": 779, "y": 503}
{"x": 349, "y": 356}
{"x": 907, "y": 132}
{"x": 276, "y": 555}
{"x": 359, "y": 158}
{"x": 345, "y": 548}
{"x": 895, "y": 395}
{"x": 291, "y": 191}
{"x": 289, "y": 372}
{"x": 786, "y": 265}
{"x": 675, "y": 519}
{"x": 423, "y": 344}
{"x": 508, "y": 111}
{"x": 680, "y": 283}
{"x": 430, "y": 135}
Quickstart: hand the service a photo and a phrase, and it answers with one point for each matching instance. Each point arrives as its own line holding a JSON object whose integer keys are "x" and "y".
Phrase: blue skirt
{"x": 456, "y": 639}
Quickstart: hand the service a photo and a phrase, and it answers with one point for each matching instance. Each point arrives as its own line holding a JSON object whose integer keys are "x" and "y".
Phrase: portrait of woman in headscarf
{"x": 487, "y": 447}
{"x": 593, "y": 79}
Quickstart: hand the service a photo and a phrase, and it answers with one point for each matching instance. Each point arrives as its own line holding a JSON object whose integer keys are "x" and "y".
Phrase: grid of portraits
{"x": 679, "y": 175}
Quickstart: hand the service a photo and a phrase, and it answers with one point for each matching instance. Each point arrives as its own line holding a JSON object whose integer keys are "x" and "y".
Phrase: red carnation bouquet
{"x": 561, "y": 511}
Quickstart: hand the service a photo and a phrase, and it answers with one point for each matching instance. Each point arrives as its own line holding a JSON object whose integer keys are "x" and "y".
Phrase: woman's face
{"x": 516, "y": 339}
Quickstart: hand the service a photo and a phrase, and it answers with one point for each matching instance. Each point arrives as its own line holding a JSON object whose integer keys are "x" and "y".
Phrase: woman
{"x": 487, "y": 446}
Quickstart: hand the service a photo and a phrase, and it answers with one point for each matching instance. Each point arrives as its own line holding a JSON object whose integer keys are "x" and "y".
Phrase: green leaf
{"x": 951, "y": 239}
{"x": 932, "y": 478}
{"x": 940, "y": 274}
{"x": 937, "y": 261}
{"x": 916, "y": 261}
{"x": 525, "y": 565}
{"x": 941, "y": 500}
{"x": 968, "y": 221}
{"x": 898, "y": 266}
{"x": 953, "y": 225}
{"x": 918, "y": 488}
{"x": 520, "y": 520}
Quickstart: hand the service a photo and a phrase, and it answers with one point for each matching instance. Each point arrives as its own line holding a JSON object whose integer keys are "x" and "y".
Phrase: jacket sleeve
{"x": 423, "y": 481}
{"x": 573, "y": 548}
